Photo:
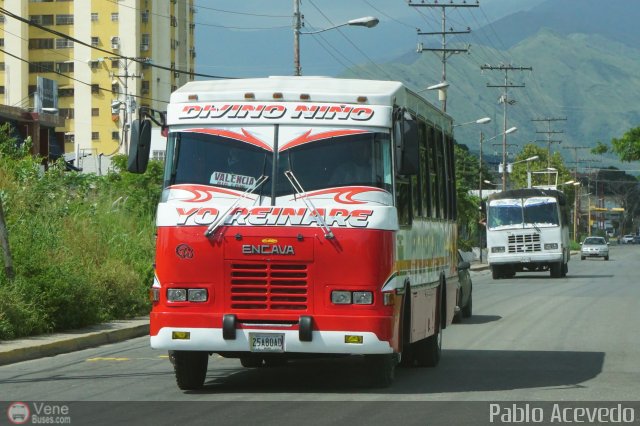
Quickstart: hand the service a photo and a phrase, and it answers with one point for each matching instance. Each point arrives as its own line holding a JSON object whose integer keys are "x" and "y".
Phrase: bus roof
{"x": 529, "y": 192}
{"x": 319, "y": 89}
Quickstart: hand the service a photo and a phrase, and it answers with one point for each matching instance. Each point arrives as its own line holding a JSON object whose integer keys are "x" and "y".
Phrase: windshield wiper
{"x": 301, "y": 192}
{"x": 257, "y": 184}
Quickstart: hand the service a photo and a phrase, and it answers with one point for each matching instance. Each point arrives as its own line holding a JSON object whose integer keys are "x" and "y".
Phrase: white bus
{"x": 528, "y": 230}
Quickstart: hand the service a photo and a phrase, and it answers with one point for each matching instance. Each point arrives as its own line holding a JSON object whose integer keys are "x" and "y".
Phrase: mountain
{"x": 616, "y": 20}
{"x": 586, "y": 73}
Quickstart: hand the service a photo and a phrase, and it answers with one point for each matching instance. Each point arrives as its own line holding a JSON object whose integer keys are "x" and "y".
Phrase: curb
{"x": 55, "y": 344}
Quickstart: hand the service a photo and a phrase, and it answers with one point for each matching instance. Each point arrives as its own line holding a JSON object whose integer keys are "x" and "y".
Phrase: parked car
{"x": 636, "y": 239}
{"x": 594, "y": 247}
{"x": 628, "y": 239}
{"x": 465, "y": 295}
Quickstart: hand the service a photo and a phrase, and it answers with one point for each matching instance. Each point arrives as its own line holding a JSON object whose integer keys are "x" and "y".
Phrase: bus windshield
{"x": 212, "y": 159}
{"x": 520, "y": 213}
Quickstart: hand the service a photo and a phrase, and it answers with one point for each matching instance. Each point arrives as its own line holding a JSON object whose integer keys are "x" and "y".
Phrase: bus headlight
{"x": 499, "y": 249}
{"x": 197, "y": 294}
{"x": 341, "y": 297}
{"x": 177, "y": 295}
{"x": 362, "y": 297}
{"x": 187, "y": 294}
{"x": 551, "y": 246}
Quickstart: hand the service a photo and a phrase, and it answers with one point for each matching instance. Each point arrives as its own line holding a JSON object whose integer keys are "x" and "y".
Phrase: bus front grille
{"x": 524, "y": 243}
{"x": 268, "y": 286}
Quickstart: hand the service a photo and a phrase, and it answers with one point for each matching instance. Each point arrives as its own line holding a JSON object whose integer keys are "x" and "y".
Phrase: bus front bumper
{"x": 525, "y": 258}
{"x": 322, "y": 342}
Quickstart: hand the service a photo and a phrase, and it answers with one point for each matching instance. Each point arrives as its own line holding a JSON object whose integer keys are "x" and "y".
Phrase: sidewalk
{"x": 18, "y": 350}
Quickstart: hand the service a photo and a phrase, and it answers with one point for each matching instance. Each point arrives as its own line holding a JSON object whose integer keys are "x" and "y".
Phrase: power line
{"x": 75, "y": 40}
{"x": 505, "y": 101}
{"x": 79, "y": 81}
{"x": 443, "y": 50}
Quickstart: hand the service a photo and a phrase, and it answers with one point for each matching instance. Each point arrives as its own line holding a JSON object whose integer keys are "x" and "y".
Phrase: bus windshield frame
{"x": 200, "y": 158}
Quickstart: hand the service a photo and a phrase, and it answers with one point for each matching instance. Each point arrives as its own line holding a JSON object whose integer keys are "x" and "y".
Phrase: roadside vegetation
{"x": 81, "y": 246}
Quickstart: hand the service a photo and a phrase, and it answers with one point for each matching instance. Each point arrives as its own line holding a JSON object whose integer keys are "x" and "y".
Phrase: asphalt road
{"x": 531, "y": 338}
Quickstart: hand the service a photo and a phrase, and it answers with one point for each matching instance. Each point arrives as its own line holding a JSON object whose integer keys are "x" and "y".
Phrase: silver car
{"x": 594, "y": 247}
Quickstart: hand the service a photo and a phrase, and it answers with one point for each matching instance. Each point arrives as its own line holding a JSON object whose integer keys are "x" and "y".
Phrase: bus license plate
{"x": 266, "y": 342}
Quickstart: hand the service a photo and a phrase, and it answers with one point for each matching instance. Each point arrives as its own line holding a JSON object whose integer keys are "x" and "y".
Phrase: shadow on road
{"x": 459, "y": 371}
{"x": 480, "y": 319}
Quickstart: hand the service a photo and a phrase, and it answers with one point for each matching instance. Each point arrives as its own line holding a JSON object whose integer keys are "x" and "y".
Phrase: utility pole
{"x": 4, "y": 244}
{"x": 549, "y": 141}
{"x": 443, "y": 50}
{"x": 128, "y": 100}
{"x": 504, "y": 99}
{"x": 297, "y": 25}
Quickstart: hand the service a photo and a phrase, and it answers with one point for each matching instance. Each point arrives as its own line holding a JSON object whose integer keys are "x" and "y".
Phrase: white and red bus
{"x": 302, "y": 216}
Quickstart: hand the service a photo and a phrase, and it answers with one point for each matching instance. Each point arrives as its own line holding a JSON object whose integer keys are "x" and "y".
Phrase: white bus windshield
{"x": 211, "y": 159}
{"x": 520, "y": 213}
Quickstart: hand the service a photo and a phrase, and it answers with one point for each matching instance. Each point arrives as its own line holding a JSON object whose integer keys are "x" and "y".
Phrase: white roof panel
{"x": 319, "y": 89}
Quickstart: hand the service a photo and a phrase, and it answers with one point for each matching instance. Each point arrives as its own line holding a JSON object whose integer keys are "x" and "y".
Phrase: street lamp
{"x": 367, "y": 22}
{"x": 528, "y": 161}
{"x": 483, "y": 120}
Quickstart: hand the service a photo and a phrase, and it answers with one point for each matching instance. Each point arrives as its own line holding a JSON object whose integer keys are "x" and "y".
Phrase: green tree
{"x": 627, "y": 148}
{"x": 540, "y": 176}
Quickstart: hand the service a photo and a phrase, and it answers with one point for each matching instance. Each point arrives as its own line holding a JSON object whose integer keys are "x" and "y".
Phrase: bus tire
{"x": 251, "y": 362}
{"x": 382, "y": 369}
{"x": 495, "y": 272}
{"x": 468, "y": 308}
{"x": 190, "y": 368}
{"x": 556, "y": 269}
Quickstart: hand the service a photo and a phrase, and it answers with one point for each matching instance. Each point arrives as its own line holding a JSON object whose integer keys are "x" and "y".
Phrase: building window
{"x": 144, "y": 42}
{"x": 115, "y": 63}
{"x": 1, "y": 90}
{"x": 114, "y": 17}
{"x": 40, "y": 43}
{"x": 63, "y": 43}
{"x": 94, "y": 17}
{"x": 64, "y": 19}
{"x": 67, "y": 113}
{"x": 158, "y": 155}
{"x": 95, "y": 136}
{"x": 1, "y": 66}
{"x": 95, "y": 41}
{"x": 37, "y": 67}
{"x": 95, "y": 88}
{"x": 95, "y": 112}
{"x": 115, "y": 42}
{"x": 65, "y": 67}
{"x": 115, "y": 135}
{"x": 115, "y": 87}
{"x": 144, "y": 16}
{"x": 65, "y": 93}
{"x": 145, "y": 87}
{"x": 41, "y": 19}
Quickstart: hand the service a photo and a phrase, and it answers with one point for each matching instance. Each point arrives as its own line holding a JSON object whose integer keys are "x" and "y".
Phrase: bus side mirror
{"x": 407, "y": 146}
{"x": 140, "y": 146}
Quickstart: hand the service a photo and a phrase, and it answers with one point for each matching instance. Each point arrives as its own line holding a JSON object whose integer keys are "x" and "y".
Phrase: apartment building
{"x": 137, "y": 52}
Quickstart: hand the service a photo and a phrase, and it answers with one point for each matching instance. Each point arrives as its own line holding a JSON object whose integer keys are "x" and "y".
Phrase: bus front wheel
{"x": 190, "y": 368}
{"x": 382, "y": 368}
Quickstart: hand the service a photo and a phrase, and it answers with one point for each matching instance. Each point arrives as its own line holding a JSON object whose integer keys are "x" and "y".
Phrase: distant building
{"x": 91, "y": 82}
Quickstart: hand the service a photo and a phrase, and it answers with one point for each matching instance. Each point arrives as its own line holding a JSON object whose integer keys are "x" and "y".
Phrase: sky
{"x": 255, "y": 37}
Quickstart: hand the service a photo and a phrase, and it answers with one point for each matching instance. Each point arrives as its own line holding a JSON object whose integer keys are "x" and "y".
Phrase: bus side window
{"x": 424, "y": 171}
{"x": 403, "y": 201}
